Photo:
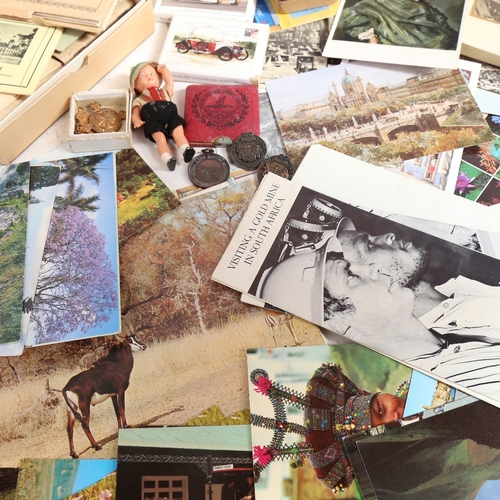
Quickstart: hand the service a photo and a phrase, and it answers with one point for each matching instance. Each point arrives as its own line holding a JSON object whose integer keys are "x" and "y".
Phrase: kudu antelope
{"x": 108, "y": 377}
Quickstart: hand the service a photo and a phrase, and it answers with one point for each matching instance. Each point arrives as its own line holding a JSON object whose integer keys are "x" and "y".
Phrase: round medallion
{"x": 208, "y": 169}
{"x": 278, "y": 164}
{"x": 105, "y": 119}
{"x": 248, "y": 150}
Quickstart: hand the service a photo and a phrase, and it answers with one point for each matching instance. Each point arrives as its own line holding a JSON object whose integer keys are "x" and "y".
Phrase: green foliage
{"x": 43, "y": 177}
{"x": 173, "y": 278}
{"x": 92, "y": 492}
{"x": 214, "y": 416}
{"x": 357, "y": 362}
{"x": 13, "y": 244}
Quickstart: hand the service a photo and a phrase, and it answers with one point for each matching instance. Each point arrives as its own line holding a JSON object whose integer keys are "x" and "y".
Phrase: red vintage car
{"x": 221, "y": 48}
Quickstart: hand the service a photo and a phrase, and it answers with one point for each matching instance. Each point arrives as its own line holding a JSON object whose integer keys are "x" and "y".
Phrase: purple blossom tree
{"x": 76, "y": 286}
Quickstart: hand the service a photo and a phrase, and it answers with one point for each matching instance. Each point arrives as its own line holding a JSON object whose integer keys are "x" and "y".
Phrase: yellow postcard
{"x": 25, "y": 50}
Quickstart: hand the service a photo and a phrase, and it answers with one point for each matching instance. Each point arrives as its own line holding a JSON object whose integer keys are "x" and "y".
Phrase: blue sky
{"x": 92, "y": 470}
{"x": 490, "y": 490}
{"x": 315, "y": 85}
{"x": 107, "y": 223}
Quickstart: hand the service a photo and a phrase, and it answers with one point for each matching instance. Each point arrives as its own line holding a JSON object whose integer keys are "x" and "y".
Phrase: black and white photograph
{"x": 425, "y": 301}
{"x": 488, "y": 9}
{"x": 374, "y": 30}
{"x": 295, "y": 50}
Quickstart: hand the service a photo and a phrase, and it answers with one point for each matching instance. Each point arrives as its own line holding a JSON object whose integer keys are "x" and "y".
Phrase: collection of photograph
{"x": 271, "y": 336}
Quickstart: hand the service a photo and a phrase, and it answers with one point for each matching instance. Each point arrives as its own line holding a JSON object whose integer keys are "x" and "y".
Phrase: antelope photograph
{"x": 108, "y": 377}
{"x": 196, "y": 332}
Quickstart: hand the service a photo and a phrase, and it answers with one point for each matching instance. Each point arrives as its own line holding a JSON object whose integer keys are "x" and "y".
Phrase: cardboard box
{"x": 288, "y": 6}
{"x": 51, "y": 100}
{"x": 118, "y": 101}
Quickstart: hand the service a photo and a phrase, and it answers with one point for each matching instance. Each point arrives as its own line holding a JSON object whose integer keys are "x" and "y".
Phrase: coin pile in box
{"x": 100, "y": 121}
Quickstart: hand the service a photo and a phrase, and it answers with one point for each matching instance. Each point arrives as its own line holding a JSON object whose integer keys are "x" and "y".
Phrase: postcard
{"x": 317, "y": 247}
{"x": 77, "y": 292}
{"x": 14, "y": 194}
{"x": 42, "y": 192}
{"x": 142, "y": 196}
{"x": 185, "y": 462}
{"x": 240, "y": 10}
{"x": 443, "y": 452}
{"x": 478, "y": 177}
{"x": 165, "y": 276}
{"x": 380, "y": 113}
{"x": 202, "y": 50}
{"x": 295, "y": 50}
{"x": 370, "y": 30}
{"x": 59, "y": 479}
{"x": 365, "y": 375}
{"x": 25, "y": 51}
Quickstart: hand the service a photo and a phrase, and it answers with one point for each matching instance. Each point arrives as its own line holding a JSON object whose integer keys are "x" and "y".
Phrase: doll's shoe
{"x": 188, "y": 154}
{"x": 171, "y": 164}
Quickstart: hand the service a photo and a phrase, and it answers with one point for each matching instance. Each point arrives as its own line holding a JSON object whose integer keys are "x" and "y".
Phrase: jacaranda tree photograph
{"x": 77, "y": 290}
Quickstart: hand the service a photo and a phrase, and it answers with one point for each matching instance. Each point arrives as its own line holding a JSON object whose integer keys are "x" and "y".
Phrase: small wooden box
{"x": 117, "y": 100}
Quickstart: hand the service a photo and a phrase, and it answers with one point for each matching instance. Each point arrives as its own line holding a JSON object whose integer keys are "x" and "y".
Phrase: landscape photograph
{"x": 170, "y": 303}
{"x": 378, "y": 114}
{"x": 14, "y": 193}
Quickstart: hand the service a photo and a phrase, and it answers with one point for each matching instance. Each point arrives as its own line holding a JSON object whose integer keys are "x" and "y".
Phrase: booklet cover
{"x": 282, "y": 402}
{"x": 301, "y": 17}
{"x": 78, "y": 290}
{"x": 381, "y": 113}
{"x": 482, "y": 24}
{"x": 424, "y": 301}
{"x": 214, "y": 51}
{"x": 428, "y": 34}
{"x": 25, "y": 52}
